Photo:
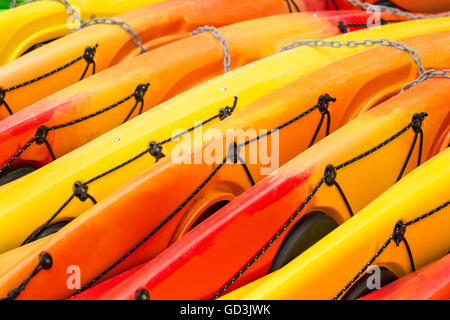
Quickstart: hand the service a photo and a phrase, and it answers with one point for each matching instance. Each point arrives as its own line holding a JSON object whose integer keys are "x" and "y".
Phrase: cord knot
{"x": 89, "y": 54}
{"x": 330, "y": 175}
{"x": 399, "y": 232}
{"x": 417, "y": 121}
{"x": 13, "y": 294}
{"x": 227, "y": 111}
{"x": 80, "y": 191}
{"x": 41, "y": 135}
{"x": 142, "y": 294}
{"x": 140, "y": 91}
{"x": 343, "y": 28}
{"x": 324, "y": 102}
{"x": 156, "y": 150}
{"x": 46, "y": 260}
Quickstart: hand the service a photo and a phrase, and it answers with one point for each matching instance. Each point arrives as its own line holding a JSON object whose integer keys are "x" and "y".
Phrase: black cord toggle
{"x": 140, "y": 91}
{"x": 80, "y": 191}
{"x": 383, "y": 22}
{"x": 399, "y": 233}
{"x": 324, "y": 102}
{"x": 323, "y": 105}
{"x": 399, "y": 236}
{"x": 330, "y": 175}
{"x": 46, "y": 260}
{"x": 330, "y": 179}
{"x": 343, "y": 28}
{"x": 227, "y": 111}
{"x": 41, "y": 138}
{"x": 417, "y": 121}
{"x": 45, "y": 263}
{"x": 156, "y": 151}
{"x": 41, "y": 135}
{"x": 416, "y": 125}
{"x": 142, "y": 294}
{"x": 13, "y": 294}
{"x": 138, "y": 94}
{"x": 89, "y": 55}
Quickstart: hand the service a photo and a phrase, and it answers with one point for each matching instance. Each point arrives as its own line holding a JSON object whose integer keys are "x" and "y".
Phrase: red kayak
{"x": 429, "y": 283}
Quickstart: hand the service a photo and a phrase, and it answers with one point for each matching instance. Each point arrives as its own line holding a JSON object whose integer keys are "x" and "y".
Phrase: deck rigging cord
{"x": 397, "y": 236}
{"x": 155, "y": 149}
{"x": 81, "y": 189}
{"x": 343, "y": 27}
{"x": 328, "y": 178}
{"x": 88, "y": 56}
{"x": 290, "y": 4}
{"x": 232, "y": 156}
{"x": 333, "y": 2}
{"x": 45, "y": 263}
{"x": 40, "y": 137}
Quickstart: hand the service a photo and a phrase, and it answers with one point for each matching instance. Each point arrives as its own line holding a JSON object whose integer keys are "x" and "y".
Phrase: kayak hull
{"x": 429, "y": 283}
{"x": 209, "y": 253}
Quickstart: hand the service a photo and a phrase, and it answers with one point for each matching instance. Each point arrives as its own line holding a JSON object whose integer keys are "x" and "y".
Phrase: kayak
{"x": 108, "y": 162}
{"x": 39, "y": 22}
{"x": 367, "y": 85}
{"x": 63, "y": 62}
{"x": 429, "y": 283}
{"x": 430, "y": 6}
{"x": 414, "y": 214}
{"x": 205, "y": 263}
{"x": 149, "y": 80}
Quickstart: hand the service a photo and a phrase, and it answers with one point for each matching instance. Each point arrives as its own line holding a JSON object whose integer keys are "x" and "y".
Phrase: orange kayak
{"x": 269, "y": 225}
{"x": 84, "y": 111}
{"x": 63, "y": 62}
{"x": 100, "y": 229}
{"x": 429, "y": 283}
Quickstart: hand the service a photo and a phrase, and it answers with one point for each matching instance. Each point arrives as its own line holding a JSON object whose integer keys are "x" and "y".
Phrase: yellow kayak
{"x": 29, "y": 25}
{"x": 416, "y": 209}
{"x": 112, "y": 160}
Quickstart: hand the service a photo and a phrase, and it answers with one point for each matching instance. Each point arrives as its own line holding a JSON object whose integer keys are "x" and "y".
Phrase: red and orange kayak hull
{"x": 429, "y": 283}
